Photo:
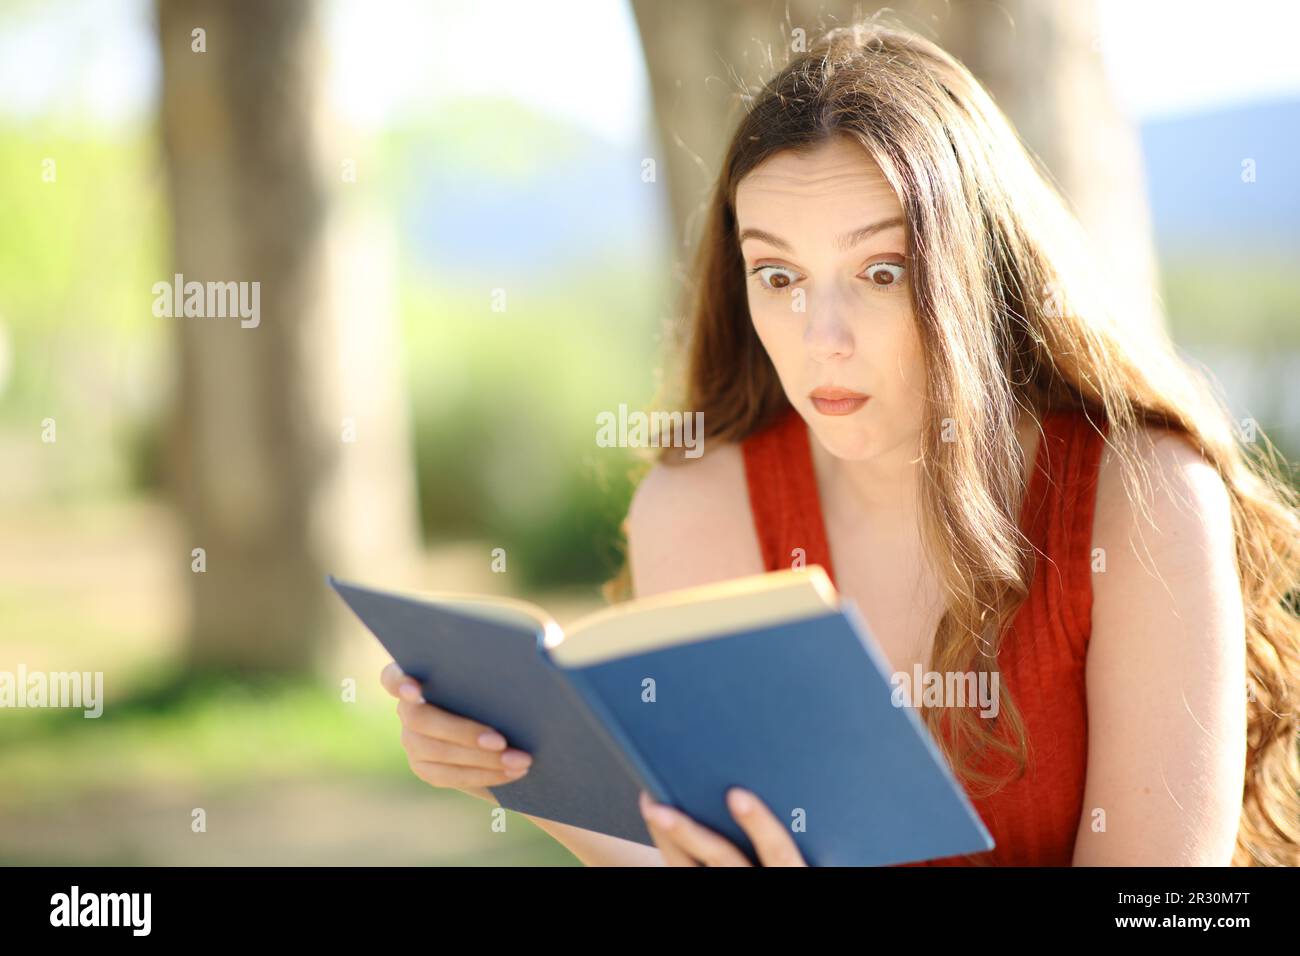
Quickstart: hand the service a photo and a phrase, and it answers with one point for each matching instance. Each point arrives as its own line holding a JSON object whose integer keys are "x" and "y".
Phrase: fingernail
{"x": 515, "y": 772}
{"x": 516, "y": 758}
{"x": 491, "y": 740}
{"x": 411, "y": 691}
{"x": 741, "y": 801}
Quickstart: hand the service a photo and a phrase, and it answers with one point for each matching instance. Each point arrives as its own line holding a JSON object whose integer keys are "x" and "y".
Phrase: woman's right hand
{"x": 447, "y": 750}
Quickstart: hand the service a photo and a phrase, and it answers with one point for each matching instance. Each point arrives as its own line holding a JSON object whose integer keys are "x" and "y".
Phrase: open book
{"x": 769, "y": 682}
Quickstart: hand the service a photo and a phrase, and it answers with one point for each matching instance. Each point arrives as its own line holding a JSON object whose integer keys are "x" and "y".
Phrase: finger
{"x": 699, "y": 842}
{"x": 421, "y": 747}
{"x": 458, "y": 778}
{"x": 433, "y": 721}
{"x": 390, "y": 677}
{"x": 398, "y": 684}
{"x": 772, "y": 841}
{"x": 673, "y": 854}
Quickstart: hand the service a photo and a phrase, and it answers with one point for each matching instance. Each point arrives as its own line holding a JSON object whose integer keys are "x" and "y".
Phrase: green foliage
{"x": 80, "y": 248}
{"x": 505, "y": 407}
{"x": 1248, "y": 304}
{"x": 79, "y": 254}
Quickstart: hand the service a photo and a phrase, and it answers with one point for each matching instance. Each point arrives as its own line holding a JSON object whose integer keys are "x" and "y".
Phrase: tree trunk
{"x": 1042, "y": 63}
{"x": 269, "y": 483}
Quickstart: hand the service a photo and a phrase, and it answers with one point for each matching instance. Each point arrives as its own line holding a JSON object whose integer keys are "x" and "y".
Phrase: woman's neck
{"x": 887, "y": 486}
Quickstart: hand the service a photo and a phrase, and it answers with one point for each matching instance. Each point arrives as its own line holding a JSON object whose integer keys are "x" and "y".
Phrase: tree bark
{"x": 1042, "y": 63}
{"x": 263, "y": 472}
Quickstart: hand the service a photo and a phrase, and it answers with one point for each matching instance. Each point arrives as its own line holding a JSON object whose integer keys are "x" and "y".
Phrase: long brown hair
{"x": 1010, "y": 315}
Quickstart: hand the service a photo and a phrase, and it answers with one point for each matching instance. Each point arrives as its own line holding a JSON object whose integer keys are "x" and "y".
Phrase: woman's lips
{"x": 837, "y": 401}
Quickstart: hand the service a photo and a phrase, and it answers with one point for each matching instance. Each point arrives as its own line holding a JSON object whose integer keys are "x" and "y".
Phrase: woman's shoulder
{"x": 1179, "y": 490}
{"x": 689, "y": 523}
{"x": 1166, "y": 539}
{"x": 1153, "y": 476}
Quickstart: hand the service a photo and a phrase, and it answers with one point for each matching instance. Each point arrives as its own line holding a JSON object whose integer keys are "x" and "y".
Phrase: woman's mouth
{"x": 837, "y": 401}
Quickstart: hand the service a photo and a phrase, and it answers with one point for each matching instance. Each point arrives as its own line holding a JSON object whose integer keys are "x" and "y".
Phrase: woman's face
{"x": 824, "y": 242}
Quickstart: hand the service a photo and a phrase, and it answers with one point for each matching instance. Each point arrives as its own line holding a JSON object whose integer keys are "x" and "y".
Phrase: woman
{"x": 911, "y": 375}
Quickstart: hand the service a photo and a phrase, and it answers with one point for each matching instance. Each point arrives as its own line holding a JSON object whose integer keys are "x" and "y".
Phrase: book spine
{"x": 604, "y": 722}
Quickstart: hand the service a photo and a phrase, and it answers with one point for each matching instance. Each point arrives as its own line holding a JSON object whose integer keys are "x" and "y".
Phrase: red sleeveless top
{"x": 1033, "y": 819}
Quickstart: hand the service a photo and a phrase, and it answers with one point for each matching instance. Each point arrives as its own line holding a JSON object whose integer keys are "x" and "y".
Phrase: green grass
{"x": 235, "y": 742}
{"x": 209, "y": 733}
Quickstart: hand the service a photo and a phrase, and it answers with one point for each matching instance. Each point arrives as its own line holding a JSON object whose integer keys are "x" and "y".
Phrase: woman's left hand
{"x": 683, "y": 842}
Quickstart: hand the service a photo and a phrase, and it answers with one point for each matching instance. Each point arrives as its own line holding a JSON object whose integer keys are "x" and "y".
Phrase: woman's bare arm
{"x": 1165, "y": 671}
{"x": 600, "y": 849}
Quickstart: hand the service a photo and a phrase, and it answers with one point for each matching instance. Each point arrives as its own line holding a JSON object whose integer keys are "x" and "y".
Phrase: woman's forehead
{"x": 836, "y": 183}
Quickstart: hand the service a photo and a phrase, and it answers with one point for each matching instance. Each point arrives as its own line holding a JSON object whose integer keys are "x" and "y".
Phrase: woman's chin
{"x": 845, "y": 441}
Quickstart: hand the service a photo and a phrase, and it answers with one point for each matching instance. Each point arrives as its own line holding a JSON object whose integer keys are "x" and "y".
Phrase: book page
{"x": 698, "y": 613}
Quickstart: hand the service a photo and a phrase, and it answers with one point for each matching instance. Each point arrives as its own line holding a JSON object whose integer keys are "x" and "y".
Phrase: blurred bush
{"x": 504, "y": 412}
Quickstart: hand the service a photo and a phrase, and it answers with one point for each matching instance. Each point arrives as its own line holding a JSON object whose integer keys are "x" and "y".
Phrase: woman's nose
{"x": 827, "y": 335}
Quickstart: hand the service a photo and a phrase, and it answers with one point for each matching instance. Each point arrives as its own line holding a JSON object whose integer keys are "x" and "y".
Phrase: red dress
{"x": 1034, "y": 819}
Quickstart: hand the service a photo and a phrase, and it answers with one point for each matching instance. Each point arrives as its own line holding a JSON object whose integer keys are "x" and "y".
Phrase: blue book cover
{"x": 772, "y": 683}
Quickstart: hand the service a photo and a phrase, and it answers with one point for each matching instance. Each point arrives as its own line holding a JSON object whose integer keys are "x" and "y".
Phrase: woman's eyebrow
{"x": 846, "y": 241}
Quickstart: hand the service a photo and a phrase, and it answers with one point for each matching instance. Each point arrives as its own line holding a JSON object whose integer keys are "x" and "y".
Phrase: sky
{"x": 1170, "y": 57}
{"x": 92, "y": 62}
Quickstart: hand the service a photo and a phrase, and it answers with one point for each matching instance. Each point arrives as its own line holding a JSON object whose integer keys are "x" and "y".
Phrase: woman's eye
{"x": 882, "y": 275}
{"x": 886, "y": 275}
{"x": 779, "y": 282}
